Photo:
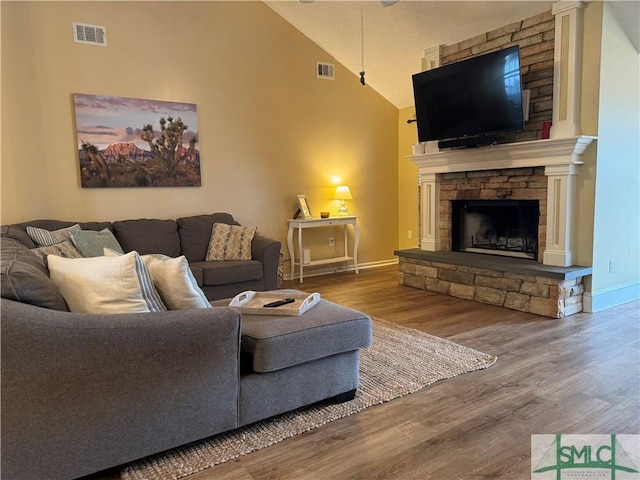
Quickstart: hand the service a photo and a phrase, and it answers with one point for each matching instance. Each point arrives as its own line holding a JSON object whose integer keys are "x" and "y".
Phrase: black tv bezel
{"x": 464, "y": 69}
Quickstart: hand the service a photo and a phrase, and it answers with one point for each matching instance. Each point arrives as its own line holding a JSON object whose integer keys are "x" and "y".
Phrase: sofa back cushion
{"x": 195, "y": 233}
{"x": 147, "y": 236}
{"x": 24, "y": 277}
{"x": 18, "y": 234}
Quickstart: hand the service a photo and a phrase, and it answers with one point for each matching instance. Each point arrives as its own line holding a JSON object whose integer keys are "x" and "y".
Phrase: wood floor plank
{"x": 579, "y": 374}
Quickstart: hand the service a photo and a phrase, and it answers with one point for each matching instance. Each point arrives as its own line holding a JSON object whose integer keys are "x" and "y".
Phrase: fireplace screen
{"x": 496, "y": 227}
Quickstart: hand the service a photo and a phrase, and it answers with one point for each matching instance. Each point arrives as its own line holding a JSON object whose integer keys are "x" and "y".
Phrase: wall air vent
{"x": 325, "y": 70}
{"x": 89, "y": 34}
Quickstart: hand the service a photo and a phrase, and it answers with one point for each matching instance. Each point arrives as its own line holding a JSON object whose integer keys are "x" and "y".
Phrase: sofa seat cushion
{"x": 278, "y": 342}
{"x": 25, "y": 278}
{"x": 198, "y": 274}
{"x": 231, "y": 271}
{"x": 148, "y": 236}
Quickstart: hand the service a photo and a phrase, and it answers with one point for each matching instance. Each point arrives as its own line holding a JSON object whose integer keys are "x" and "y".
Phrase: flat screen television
{"x": 470, "y": 100}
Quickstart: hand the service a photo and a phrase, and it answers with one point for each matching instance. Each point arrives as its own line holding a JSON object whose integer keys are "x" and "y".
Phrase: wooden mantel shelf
{"x": 535, "y": 153}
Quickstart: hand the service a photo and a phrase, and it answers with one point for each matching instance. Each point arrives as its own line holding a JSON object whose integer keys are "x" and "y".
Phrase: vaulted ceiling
{"x": 396, "y": 34}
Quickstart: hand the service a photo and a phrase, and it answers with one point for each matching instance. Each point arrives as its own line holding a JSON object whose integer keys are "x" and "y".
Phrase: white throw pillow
{"x": 174, "y": 281}
{"x": 105, "y": 284}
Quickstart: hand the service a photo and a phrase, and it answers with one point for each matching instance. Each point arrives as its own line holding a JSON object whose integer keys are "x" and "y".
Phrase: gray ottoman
{"x": 292, "y": 361}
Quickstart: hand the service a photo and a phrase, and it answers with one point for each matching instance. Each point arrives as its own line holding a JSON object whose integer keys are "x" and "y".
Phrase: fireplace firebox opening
{"x": 496, "y": 227}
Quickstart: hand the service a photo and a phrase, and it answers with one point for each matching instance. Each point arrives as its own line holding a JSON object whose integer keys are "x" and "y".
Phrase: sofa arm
{"x": 82, "y": 392}
{"x": 267, "y": 251}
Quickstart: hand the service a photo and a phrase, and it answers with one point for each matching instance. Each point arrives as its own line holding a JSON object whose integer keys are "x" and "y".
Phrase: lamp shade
{"x": 343, "y": 193}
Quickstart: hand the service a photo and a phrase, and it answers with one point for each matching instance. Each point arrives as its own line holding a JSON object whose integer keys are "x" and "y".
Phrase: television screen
{"x": 476, "y": 96}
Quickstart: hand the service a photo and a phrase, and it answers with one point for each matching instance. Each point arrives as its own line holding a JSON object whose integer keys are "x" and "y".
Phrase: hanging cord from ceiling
{"x": 362, "y": 81}
{"x": 384, "y": 3}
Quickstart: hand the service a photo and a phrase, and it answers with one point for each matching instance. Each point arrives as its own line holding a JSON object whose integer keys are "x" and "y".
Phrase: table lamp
{"x": 343, "y": 193}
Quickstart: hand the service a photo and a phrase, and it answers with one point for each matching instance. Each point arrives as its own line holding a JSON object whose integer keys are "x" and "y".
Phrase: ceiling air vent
{"x": 325, "y": 70}
{"x": 90, "y": 34}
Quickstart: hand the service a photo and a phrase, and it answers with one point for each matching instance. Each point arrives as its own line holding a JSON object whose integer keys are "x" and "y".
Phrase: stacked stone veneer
{"x": 535, "y": 36}
{"x": 555, "y": 298}
{"x": 507, "y": 184}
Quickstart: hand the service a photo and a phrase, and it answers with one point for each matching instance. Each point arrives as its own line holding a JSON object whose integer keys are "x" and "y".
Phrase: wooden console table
{"x": 318, "y": 223}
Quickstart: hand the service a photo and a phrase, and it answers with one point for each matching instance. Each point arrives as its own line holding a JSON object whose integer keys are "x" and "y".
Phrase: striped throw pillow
{"x": 45, "y": 238}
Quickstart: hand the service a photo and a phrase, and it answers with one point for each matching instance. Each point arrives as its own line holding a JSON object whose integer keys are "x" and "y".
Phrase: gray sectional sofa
{"x": 84, "y": 392}
{"x": 188, "y": 236}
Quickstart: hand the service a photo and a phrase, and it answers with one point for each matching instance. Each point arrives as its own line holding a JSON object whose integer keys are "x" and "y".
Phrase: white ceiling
{"x": 395, "y": 37}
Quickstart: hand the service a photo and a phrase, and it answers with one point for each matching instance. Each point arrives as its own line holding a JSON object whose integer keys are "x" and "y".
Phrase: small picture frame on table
{"x": 303, "y": 211}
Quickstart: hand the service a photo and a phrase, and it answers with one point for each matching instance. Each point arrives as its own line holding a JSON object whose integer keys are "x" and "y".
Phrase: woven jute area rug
{"x": 400, "y": 361}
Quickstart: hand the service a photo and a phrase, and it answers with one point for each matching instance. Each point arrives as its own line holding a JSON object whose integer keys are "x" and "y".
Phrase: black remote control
{"x": 279, "y": 303}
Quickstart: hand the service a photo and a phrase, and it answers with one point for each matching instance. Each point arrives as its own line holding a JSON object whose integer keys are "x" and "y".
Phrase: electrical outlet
{"x": 409, "y": 234}
{"x": 612, "y": 264}
{"x": 332, "y": 241}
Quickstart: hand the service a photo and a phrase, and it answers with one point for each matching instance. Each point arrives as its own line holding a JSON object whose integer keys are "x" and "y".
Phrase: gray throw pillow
{"x": 63, "y": 249}
{"x": 92, "y": 244}
{"x": 24, "y": 277}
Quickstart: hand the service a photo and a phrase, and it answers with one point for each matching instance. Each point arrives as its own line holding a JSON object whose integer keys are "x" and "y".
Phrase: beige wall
{"x": 268, "y": 129}
{"x": 407, "y": 182}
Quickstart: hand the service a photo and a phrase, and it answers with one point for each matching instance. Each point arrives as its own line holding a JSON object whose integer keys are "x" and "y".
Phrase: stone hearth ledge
{"x": 514, "y": 283}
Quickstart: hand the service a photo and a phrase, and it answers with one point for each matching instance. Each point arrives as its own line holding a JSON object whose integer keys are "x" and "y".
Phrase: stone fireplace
{"x": 532, "y": 179}
{"x": 544, "y": 171}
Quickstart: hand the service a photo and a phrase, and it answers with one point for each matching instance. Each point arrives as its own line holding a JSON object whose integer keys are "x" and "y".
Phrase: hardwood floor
{"x": 574, "y": 375}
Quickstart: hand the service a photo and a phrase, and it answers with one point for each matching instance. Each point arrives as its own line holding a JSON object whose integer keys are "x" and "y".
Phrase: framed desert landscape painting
{"x": 130, "y": 142}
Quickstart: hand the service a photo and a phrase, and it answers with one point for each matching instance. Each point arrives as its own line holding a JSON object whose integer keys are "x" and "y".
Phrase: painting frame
{"x": 133, "y": 142}
{"x": 304, "y": 211}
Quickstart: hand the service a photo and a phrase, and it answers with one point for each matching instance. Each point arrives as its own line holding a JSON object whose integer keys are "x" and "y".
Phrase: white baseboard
{"x": 610, "y": 297}
{"x": 315, "y": 272}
